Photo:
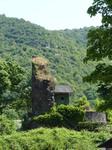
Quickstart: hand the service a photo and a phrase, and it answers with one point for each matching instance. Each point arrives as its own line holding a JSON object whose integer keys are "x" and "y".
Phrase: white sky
{"x": 51, "y": 14}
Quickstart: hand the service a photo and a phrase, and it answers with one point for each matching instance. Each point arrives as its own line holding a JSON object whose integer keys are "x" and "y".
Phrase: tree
{"x": 24, "y": 96}
{"x": 83, "y": 103}
{"x": 99, "y": 49}
{"x": 11, "y": 76}
{"x": 4, "y": 78}
{"x": 14, "y": 86}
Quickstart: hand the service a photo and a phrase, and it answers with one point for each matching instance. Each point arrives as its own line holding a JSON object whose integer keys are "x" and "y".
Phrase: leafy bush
{"x": 100, "y": 105}
{"x": 53, "y": 119}
{"x": 11, "y": 114}
{"x": 71, "y": 115}
{"x": 83, "y": 103}
{"x": 109, "y": 115}
{"x": 64, "y": 115}
{"x": 6, "y": 126}
{"x": 53, "y": 139}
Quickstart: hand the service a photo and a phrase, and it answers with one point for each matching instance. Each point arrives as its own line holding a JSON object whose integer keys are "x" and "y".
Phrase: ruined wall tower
{"x": 43, "y": 85}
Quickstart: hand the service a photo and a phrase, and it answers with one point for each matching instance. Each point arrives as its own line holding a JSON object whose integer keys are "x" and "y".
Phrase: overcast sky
{"x": 51, "y": 14}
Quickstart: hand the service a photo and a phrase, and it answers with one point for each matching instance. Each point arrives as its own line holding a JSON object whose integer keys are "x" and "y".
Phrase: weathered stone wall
{"x": 42, "y": 91}
{"x": 95, "y": 116}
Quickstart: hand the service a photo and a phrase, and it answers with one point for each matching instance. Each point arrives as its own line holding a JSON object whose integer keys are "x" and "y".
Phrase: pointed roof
{"x": 106, "y": 144}
{"x": 63, "y": 89}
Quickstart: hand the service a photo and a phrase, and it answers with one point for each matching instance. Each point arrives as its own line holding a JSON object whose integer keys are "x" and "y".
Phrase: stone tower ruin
{"x": 43, "y": 85}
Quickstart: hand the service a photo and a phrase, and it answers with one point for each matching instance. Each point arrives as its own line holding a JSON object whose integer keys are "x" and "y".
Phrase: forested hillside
{"x": 64, "y": 49}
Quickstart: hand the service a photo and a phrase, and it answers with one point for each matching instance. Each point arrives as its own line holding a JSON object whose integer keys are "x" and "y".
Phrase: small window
{"x": 62, "y": 98}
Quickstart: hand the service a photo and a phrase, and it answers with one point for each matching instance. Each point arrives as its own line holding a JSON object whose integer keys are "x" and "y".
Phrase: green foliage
{"x": 109, "y": 115}
{"x": 50, "y": 120}
{"x": 56, "y": 138}
{"x": 100, "y": 105}
{"x": 99, "y": 48}
{"x": 5, "y": 82}
{"x": 15, "y": 75}
{"x": 14, "y": 86}
{"x": 22, "y": 101}
{"x": 11, "y": 114}
{"x": 104, "y": 8}
{"x": 83, "y": 103}
{"x": 71, "y": 115}
{"x": 11, "y": 75}
{"x": 65, "y": 50}
{"x": 64, "y": 115}
{"x": 6, "y": 126}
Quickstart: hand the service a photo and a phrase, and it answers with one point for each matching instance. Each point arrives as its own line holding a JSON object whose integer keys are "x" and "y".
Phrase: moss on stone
{"x": 42, "y": 71}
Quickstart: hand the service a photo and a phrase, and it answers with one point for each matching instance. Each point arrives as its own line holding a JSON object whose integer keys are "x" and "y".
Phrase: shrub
{"x": 11, "y": 114}
{"x": 53, "y": 139}
{"x": 53, "y": 119}
{"x": 65, "y": 115}
{"x": 100, "y": 105}
{"x": 83, "y": 103}
{"x": 71, "y": 115}
{"x": 6, "y": 126}
{"x": 109, "y": 115}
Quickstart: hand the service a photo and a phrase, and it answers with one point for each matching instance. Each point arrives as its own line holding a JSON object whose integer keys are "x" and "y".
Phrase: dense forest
{"x": 64, "y": 49}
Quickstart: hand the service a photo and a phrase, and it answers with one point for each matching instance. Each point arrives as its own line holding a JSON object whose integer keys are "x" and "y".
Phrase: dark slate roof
{"x": 63, "y": 89}
{"x": 106, "y": 144}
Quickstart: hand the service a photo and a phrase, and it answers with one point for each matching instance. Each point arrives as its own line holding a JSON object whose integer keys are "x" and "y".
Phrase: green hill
{"x": 65, "y": 50}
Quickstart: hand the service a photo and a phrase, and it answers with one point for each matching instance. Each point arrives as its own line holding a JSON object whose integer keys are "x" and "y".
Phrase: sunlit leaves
{"x": 99, "y": 48}
{"x": 10, "y": 76}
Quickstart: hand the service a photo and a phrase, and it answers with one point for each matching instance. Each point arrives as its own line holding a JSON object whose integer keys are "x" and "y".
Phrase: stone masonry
{"x": 96, "y": 116}
{"x": 42, "y": 86}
